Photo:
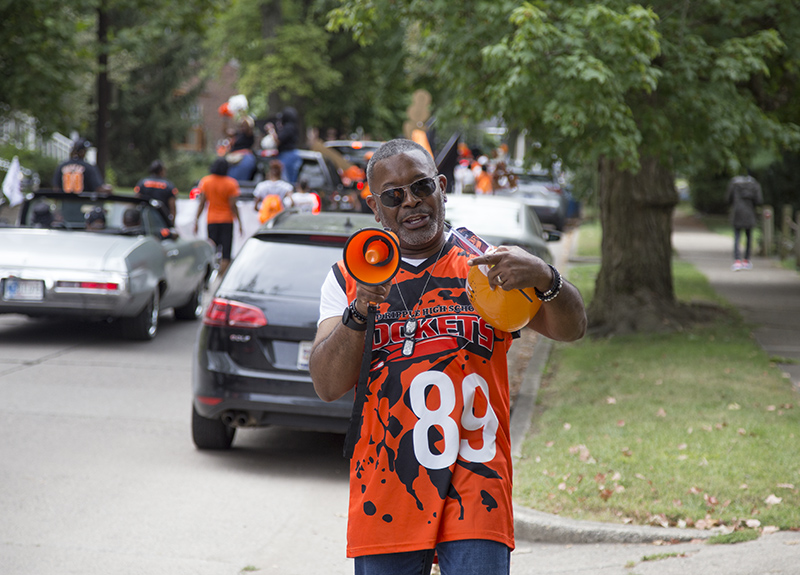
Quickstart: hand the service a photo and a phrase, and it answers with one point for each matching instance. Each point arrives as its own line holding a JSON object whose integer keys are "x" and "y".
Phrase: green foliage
{"x": 43, "y": 61}
{"x": 590, "y": 79}
{"x": 289, "y": 56}
{"x": 154, "y": 53}
{"x": 708, "y": 192}
{"x": 31, "y": 160}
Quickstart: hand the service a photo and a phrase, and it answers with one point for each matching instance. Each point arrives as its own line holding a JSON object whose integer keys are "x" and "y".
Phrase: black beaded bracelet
{"x": 552, "y": 293}
{"x": 357, "y": 314}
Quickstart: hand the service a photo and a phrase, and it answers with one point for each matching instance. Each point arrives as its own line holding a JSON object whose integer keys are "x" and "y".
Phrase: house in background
{"x": 209, "y": 126}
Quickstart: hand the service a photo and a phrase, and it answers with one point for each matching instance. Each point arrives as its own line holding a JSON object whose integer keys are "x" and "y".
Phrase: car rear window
{"x": 281, "y": 268}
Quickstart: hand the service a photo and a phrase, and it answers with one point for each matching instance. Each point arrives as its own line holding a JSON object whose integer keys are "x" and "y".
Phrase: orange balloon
{"x": 505, "y": 310}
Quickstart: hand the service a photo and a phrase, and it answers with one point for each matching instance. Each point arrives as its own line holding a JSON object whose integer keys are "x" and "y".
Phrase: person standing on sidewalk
{"x": 744, "y": 194}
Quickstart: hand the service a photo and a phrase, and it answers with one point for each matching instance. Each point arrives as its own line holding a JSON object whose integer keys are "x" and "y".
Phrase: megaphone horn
{"x": 372, "y": 256}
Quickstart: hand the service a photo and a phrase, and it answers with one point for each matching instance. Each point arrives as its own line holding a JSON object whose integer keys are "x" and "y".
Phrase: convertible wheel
{"x": 193, "y": 308}
{"x": 144, "y": 326}
{"x": 210, "y": 433}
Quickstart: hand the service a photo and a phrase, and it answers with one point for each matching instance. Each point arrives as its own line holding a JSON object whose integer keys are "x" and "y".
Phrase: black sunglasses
{"x": 423, "y": 188}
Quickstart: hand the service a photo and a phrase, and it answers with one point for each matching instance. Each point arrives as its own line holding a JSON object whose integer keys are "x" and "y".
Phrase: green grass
{"x": 735, "y": 537}
{"x": 589, "y": 240}
{"x": 660, "y": 556}
{"x": 669, "y": 429}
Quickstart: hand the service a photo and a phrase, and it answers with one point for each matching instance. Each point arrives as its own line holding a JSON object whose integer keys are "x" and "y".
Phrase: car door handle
{"x": 173, "y": 253}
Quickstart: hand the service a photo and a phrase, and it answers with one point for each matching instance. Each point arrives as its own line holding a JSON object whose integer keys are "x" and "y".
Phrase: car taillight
{"x": 100, "y": 286}
{"x": 227, "y": 313}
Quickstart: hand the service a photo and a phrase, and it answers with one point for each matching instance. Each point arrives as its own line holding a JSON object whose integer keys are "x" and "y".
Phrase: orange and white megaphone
{"x": 372, "y": 256}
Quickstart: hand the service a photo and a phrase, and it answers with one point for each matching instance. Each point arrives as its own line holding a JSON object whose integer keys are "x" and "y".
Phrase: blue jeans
{"x": 292, "y": 162}
{"x": 468, "y": 557}
{"x": 243, "y": 169}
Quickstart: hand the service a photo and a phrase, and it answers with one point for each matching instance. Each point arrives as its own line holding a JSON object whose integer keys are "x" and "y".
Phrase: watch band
{"x": 351, "y": 317}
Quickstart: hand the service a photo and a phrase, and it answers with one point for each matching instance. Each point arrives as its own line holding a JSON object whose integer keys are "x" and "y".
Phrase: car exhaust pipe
{"x": 237, "y": 419}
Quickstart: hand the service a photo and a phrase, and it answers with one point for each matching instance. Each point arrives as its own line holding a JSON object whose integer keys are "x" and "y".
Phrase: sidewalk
{"x": 768, "y": 297}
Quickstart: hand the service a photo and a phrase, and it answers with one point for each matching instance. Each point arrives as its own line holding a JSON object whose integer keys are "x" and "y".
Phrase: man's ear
{"x": 373, "y": 206}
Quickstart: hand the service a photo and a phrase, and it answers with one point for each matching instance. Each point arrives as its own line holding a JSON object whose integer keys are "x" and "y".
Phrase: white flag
{"x": 12, "y": 184}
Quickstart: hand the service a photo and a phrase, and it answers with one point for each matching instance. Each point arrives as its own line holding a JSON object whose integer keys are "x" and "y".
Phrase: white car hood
{"x": 58, "y": 249}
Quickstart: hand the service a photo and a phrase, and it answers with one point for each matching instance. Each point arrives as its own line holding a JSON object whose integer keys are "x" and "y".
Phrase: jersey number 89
{"x": 440, "y": 417}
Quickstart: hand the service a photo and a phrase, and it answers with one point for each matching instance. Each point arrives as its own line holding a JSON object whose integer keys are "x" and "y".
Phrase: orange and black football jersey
{"x": 432, "y": 461}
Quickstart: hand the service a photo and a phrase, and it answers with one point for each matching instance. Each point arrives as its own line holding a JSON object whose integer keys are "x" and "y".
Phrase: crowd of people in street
{"x": 480, "y": 173}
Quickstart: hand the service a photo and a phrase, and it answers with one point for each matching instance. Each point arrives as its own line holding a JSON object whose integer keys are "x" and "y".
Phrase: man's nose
{"x": 409, "y": 198}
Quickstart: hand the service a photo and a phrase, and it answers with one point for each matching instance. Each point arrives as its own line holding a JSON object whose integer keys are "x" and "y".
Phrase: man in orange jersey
{"x": 219, "y": 191}
{"x": 430, "y": 449}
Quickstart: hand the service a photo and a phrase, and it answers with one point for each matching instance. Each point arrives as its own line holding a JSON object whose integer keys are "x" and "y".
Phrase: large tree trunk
{"x": 103, "y": 89}
{"x": 634, "y": 291}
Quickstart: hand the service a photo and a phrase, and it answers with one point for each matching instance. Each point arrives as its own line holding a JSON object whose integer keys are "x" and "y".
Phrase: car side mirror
{"x": 551, "y": 235}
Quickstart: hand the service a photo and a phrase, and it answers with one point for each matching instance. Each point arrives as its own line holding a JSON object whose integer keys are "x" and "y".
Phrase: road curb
{"x": 536, "y": 526}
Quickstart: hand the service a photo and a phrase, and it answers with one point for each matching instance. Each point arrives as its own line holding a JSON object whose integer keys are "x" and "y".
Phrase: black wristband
{"x": 354, "y": 319}
{"x": 552, "y": 293}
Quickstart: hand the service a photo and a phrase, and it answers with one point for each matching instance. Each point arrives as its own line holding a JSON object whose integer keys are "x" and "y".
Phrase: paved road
{"x": 98, "y": 473}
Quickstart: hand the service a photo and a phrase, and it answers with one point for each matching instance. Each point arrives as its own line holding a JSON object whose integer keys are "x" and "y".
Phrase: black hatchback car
{"x": 250, "y": 365}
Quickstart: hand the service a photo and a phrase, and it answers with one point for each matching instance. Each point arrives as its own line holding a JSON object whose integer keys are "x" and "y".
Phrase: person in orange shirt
{"x": 219, "y": 192}
{"x": 483, "y": 181}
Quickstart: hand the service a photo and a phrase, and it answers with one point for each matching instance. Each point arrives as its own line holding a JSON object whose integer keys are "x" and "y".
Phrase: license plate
{"x": 25, "y": 290}
{"x": 303, "y": 353}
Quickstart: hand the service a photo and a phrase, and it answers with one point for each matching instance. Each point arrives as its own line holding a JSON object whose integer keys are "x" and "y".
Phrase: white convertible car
{"x": 100, "y": 257}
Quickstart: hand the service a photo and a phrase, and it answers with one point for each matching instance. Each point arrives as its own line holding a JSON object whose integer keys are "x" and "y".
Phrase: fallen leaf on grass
{"x": 567, "y": 426}
{"x": 550, "y": 444}
{"x": 621, "y": 423}
{"x": 661, "y": 412}
{"x": 770, "y": 529}
{"x": 744, "y": 486}
{"x": 682, "y": 446}
{"x": 695, "y": 490}
{"x": 611, "y": 400}
{"x": 734, "y": 406}
{"x": 605, "y": 494}
{"x": 771, "y": 408}
{"x": 772, "y": 499}
{"x": 753, "y": 523}
{"x": 786, "y": 485}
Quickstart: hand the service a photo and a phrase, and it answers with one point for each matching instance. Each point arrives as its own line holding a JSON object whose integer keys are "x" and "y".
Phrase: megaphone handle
{"x": 361, "y": 388}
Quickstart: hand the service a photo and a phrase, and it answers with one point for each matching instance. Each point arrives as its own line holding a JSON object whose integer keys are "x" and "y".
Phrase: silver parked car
{"x": 501, "y": 220}
{"x": 100, "y": 257}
